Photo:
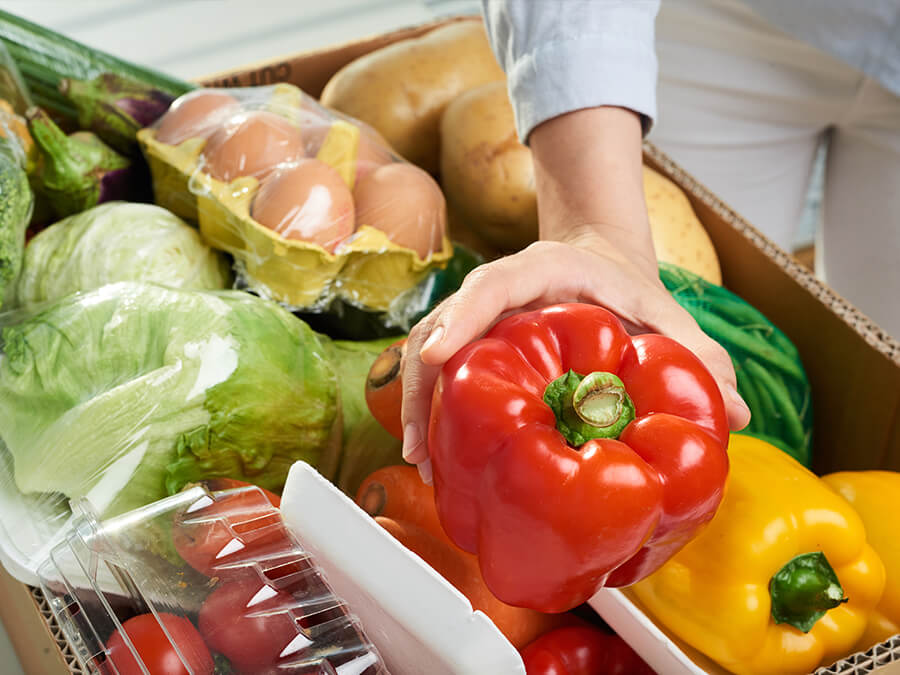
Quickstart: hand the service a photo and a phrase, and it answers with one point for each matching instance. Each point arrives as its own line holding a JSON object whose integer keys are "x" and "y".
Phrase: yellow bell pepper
{"x": 875, "y": 496}
{"x": 715, "y": 593}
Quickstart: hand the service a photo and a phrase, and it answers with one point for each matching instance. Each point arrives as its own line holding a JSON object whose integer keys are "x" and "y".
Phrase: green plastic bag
{"x": 770, "y": 374}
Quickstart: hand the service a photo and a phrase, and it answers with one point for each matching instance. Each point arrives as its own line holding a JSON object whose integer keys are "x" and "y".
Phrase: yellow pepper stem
{"x": 803, "y": 590}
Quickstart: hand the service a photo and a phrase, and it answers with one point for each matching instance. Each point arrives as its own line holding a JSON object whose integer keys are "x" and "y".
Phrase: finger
{"x": 738, "y": 412}
{"x": 491, "y": 291}
{"x": 418, "y": 385}
{"x": 678, "y": 324}
{"x": 719, "y": 364}
{"x": 425, "y": 472}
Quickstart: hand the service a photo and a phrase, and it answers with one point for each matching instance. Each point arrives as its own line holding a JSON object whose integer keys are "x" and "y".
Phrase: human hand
{"x": 585, "y": 268}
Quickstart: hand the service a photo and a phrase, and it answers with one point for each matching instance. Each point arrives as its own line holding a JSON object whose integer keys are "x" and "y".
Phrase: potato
{"x": 402, "y": 89}
{"x": 678, "y": 235}
{"x": 488, "y": 180}
{"x": 487, "y": 175}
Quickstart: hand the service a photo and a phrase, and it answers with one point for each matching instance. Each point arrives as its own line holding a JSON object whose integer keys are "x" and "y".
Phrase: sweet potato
{"x": 397, "y": 492}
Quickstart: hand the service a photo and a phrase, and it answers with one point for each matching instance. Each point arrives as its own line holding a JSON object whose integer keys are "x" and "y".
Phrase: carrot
{"x": 398, "y": 492}
{"x": 404, "y": 506}
{"x": 438, "y": 553}
{"x": 384, "y": 388}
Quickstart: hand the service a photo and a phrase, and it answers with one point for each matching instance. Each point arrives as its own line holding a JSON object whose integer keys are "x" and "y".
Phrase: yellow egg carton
{"x": 369, "y": 270}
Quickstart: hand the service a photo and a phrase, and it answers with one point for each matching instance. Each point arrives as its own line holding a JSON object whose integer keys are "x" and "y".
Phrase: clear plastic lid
{"x": 200, "y": 582}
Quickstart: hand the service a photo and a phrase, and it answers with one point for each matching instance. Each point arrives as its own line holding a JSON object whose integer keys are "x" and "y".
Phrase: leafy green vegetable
{"x": 118, "y": 241}
{"x": 366, "y": 446}
{"x": 15, "y": 211}
{"x": 126, "y": 393}
{"x": 78, "y": 171}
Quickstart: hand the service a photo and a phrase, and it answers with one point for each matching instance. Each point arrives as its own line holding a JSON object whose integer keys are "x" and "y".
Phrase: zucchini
{"x": 770, "y": 375}
{"x": 15, "y": 212}
{"x": 45, "y": 58}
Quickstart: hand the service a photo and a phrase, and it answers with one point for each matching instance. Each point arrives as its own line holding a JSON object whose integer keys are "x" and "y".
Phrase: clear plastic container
{"x": 210, "y": 580}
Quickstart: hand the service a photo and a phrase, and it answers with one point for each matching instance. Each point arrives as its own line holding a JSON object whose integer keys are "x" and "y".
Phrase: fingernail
{"x": 434, "y": 338}
{"x": 736, "y": 398}
{"x": 425, "y": 472}
{"x": 412, "y": 439}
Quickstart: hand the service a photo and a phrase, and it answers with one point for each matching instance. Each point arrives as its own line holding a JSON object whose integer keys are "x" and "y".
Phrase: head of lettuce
{"x": 126, "y": 393}
{"x": 117, "y": 241}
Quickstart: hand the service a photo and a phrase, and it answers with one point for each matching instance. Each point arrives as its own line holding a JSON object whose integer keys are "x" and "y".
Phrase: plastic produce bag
{"x": 118, "y": 241}
{"x": 770, "y": 374}
{"x": 314, "y": 206}
{"x": 342, "y": 320}
{"x": 126, "y": 393}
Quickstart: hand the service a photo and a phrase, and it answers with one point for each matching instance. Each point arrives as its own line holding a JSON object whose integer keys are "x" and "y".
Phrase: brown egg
{"x": 308, "y": 201}
{"x": 405, "y": 203}
{"x": 372, "y": 152}
{"x": 252, "y": 144}
{"x": 196, "y": 114}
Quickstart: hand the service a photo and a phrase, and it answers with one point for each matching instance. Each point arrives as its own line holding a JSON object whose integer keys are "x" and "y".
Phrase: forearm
{"x": 572, "y": 55}
{"x": 589, "y": 180}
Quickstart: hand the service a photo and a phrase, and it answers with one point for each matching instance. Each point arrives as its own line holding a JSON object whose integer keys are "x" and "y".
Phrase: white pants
{"x": 743, "y": 107}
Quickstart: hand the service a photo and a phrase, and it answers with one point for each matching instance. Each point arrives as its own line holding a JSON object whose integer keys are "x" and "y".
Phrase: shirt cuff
{"x": 584, "y": 72}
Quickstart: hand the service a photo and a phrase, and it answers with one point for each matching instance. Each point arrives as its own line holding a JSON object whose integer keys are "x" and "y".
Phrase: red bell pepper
{"x": 569, "y": 455}
{"x": 582, "y": 650}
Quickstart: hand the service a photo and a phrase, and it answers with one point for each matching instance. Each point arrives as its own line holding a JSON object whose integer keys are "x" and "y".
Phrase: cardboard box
{"x": 852, "y": 365}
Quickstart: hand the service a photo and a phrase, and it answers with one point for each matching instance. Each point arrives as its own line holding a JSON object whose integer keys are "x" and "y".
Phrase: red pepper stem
{"x": 599, "y": 400}
{"x": 589, "y": 407}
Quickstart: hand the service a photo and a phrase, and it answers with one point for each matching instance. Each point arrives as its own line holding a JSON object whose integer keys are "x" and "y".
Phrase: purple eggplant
{"x": 116, "y": 107}
{"x": 78, "y": 171}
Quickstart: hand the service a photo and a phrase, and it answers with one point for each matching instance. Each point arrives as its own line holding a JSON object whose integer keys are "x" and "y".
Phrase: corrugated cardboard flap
{"x": 853, "y": 365}
{"x": 884, "y": 657}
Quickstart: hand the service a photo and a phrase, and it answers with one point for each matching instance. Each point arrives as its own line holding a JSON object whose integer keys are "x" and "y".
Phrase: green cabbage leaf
{"x": 118, "y": 241}
{"x": 126, "y": 393}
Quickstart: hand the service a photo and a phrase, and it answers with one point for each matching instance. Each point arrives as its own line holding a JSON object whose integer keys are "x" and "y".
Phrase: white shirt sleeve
{"x": 565, "y": 55}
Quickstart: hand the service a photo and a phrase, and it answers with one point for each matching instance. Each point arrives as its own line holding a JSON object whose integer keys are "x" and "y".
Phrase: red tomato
{"x": 219, "y": 484}
{"x": 236, "y": 529}
{"x": 582, "y": 650}
{"x": 155, "y": 650}
{"x": 264, "y": 625}
{"x": 248, "y": 621}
